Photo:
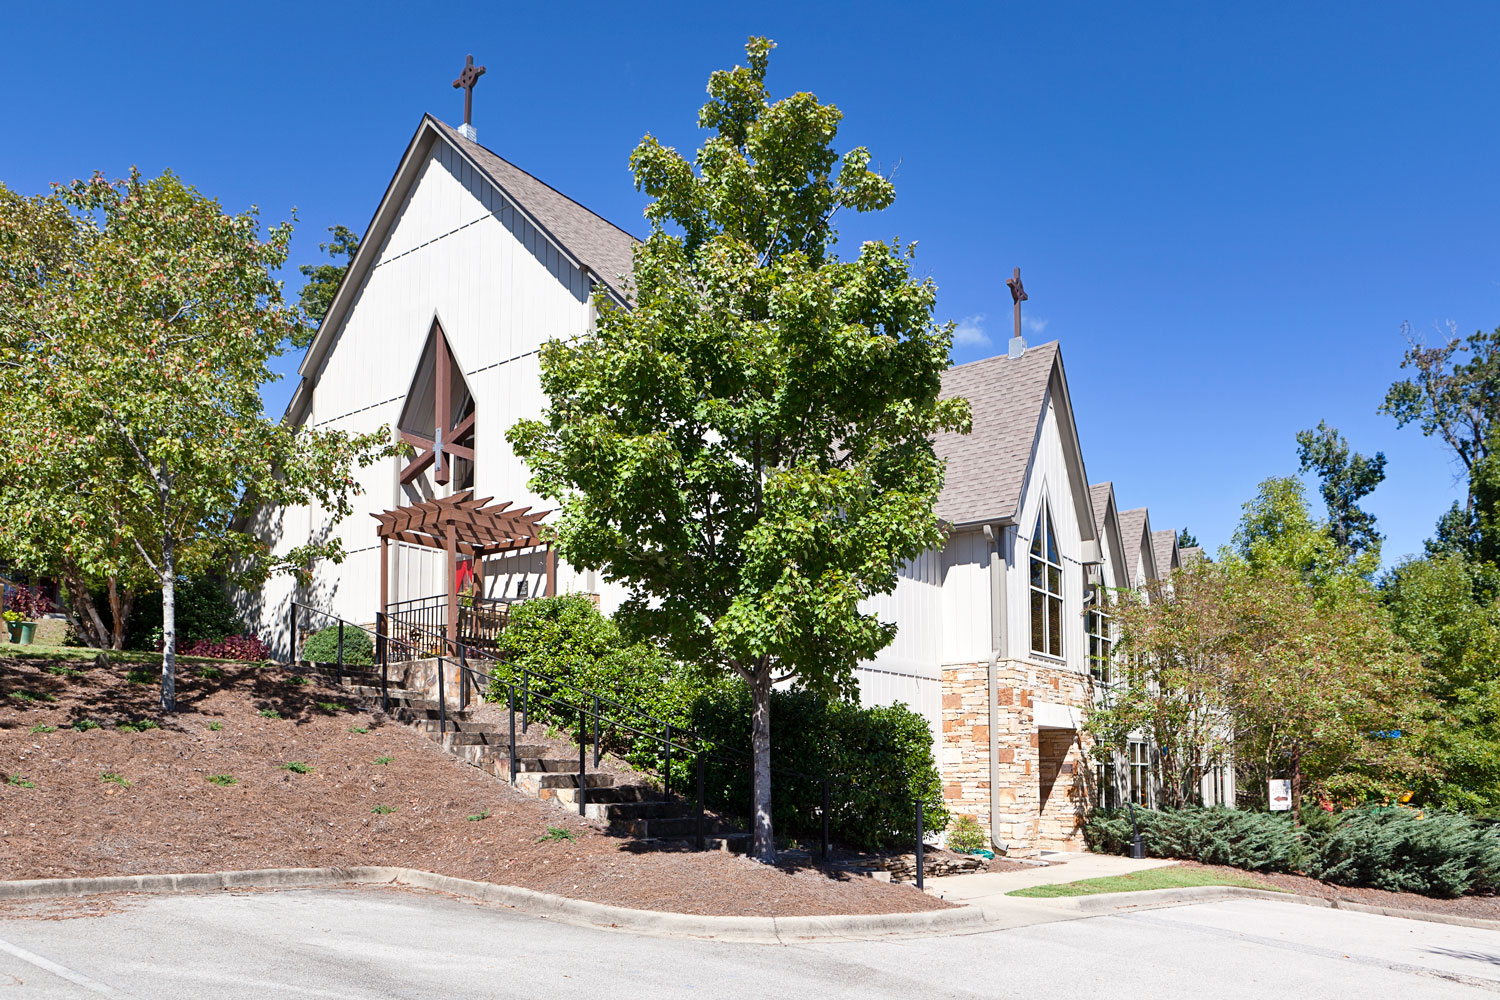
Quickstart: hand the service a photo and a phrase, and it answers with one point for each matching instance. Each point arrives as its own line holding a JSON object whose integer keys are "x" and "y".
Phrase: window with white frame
{"x": 1046, "y": 588}
{"x": 1108, "y": 793}
{"x": 1097, "y": 624}
{"x": 1139, "y": 761}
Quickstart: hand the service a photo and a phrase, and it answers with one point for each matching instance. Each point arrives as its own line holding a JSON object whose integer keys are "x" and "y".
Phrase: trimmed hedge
{"x": 882, "y": 756}
{"x": 1384, "y": 847}
{"x": 323, "y": 646}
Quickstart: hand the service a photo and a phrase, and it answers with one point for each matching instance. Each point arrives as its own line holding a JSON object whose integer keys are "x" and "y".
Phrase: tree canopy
{"x": 137, "y": 342}
{"x": 323, "y": 280}
{"x": 748, "y": 446}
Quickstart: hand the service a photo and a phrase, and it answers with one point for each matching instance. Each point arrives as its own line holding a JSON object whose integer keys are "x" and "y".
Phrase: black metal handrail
{"x": 670, "y": 737}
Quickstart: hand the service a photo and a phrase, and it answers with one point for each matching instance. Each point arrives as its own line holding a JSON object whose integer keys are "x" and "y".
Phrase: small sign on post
{"x": 1280, "y": 794}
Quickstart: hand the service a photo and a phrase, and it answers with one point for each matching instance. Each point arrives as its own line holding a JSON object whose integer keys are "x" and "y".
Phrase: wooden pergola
{"x": 461, "y": 525}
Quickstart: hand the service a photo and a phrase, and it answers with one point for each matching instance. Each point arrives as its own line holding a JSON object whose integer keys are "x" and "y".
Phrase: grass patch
{"x": 479, "y": 816}
{"x": 140, "y": 675}
{"x": 19, "y": 782}
{"x": 384, "y": 760}
{"x": 332, "y": 706}
{"x": 223, "y": 780}
{"x": 555, "y": 833}
{"x": 84, "y": 725}
{"x": 210, "y": 673}
{"x": 269, "y": 713}
{"x": 296, "y": 680}
{"x": 139, "y": 726}
{"x": 297, "y": 767}
{"x": 216, "y": 725}
{"x": 382, "y": 810}
{"x": 1171, "y": 877}
{"x": 42, "y": 727}
{"x": 115, "y": 779}
{"x": 31, "y": 696}
{"x": 63, "y": 670}
{"x": 361, "y": 730}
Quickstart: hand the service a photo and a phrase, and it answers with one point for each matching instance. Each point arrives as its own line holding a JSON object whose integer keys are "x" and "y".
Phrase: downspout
{"x": 995, "y": 544}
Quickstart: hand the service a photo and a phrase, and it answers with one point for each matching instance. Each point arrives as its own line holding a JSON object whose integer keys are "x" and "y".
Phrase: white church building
{"x": 470, "y": 265}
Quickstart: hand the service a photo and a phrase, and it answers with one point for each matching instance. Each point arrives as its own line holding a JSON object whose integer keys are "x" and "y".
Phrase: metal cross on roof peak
{"x": 466, "y": 80}
{"x": 1017, "y": 296}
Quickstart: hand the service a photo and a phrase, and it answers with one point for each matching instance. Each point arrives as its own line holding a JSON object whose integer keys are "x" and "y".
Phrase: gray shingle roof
{"x": 987, "y": 467}
{"x": 1191, "y": 554}
{"x": 1099, "y": 495}
{"x": 593, "y": 239}
{"x": 1133, "y": 537}
{"x": 1162, "y": 545}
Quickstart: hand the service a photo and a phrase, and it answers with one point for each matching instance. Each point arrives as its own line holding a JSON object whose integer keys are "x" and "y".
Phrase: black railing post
{"x": 921, "y": 852}
{"x": 463, "y": 678}
{"x": 700, "y": 801}
{"x": 583, "y": 759}
{"x": 525, "y": 700}
{"x": 341, "y": 652}
{"x": 510, "y": 701}
{"x": 596, "y": 730}
{"x": 666, "y": 774}
{"x": 383, "y": 651}
{"x": 442, "y": 701}
{"x": 827, "y": 846}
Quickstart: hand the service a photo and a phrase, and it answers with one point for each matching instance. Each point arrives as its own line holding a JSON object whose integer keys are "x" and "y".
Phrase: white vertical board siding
{"x": 923, "y": 695}
{"x": 460, "y": 252}
{"x": 965, "y": 599}
{"x": 915, "y": 607}
{"x": 1047, "y": 481}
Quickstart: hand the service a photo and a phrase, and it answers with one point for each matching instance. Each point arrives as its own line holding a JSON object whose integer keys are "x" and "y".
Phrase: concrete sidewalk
{"x": 987, "y": 890}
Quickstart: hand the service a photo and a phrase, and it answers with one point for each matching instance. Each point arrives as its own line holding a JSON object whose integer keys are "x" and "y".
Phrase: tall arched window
{"x": 1046, "y": 588}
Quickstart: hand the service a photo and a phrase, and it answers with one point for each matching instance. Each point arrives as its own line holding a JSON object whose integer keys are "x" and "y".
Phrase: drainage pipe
{"x": 995, "y": 546}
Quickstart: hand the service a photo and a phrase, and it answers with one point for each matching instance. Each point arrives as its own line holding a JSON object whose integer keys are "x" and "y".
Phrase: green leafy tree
{"x": 1277, "y": 529}
{"x": 1439, "y": 607}
{"x": 1347, "y": 477}
{"x": 748, "y": 448}
{"x": 1174, "y": 685}
{"x": 1187, "y": 540}
{"x": 135, "y": 354}
{"x": 323, "y": 280}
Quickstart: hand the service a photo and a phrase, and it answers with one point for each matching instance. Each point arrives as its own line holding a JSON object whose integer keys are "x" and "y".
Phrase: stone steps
{"x": 636, "y": 810}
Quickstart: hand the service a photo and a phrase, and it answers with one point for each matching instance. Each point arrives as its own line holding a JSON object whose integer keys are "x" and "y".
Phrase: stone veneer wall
{"x": 1029, "y": 757}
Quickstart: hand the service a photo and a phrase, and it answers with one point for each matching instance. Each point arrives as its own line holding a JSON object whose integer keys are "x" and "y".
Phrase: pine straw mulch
{"x": 448, "y": 817}
{"x": 1485, "y": 907}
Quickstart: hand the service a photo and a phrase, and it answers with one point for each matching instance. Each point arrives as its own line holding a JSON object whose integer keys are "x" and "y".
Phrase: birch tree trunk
{"x": 763, "y": 842}
{"x": 168, "y": 625}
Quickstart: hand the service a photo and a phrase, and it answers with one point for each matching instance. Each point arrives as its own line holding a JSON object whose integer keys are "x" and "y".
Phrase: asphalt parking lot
{"x": 366, "y": 943}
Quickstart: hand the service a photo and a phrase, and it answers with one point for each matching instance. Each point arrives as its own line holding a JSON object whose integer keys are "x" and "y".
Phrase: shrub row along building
{"x": 470, "y": 265}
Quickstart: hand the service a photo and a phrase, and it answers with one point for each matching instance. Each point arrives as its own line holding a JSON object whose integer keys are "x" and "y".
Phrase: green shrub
{"x": 571, "y": 652}
{"x": 203, "y": 611}
{"x": 1255, "y": 841}
{"x": 967, "y": 835}
{"x": 1403, "y": 850}
{"x": 323, "y": 646}
{"x": 880, "y": 760}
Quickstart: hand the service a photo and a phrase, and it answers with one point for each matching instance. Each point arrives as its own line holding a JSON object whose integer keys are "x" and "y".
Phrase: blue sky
{"x": 1224, "y": 212}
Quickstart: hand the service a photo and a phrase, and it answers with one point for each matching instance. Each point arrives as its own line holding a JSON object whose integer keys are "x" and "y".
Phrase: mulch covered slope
{"x": 169, "y": 817}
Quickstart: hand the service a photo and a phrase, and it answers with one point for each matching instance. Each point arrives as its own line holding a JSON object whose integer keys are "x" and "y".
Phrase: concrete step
{"x": 554, "y": 764}
{"x": 622, "y": 811}
{"x": 460, "y": 725}
{"x": 662, "y": 828}
{"x": 533, "y": 781}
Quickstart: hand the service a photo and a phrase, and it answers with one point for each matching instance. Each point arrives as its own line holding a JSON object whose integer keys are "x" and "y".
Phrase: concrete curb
{"x": 1151, "y": 899}
{"x": 655, "y": 923}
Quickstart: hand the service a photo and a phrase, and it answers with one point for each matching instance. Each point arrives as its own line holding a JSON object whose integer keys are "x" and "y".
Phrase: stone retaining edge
{"x": 1149, "y": 899}
{"x": 656, "y": 923}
